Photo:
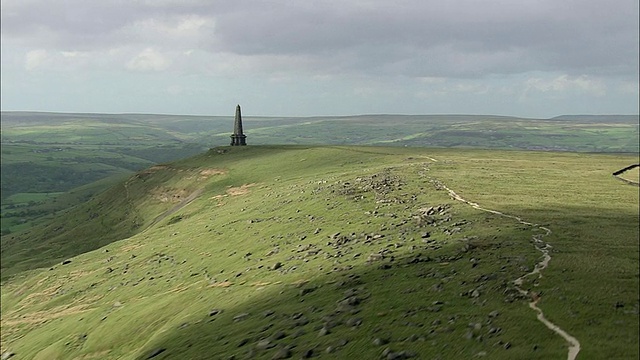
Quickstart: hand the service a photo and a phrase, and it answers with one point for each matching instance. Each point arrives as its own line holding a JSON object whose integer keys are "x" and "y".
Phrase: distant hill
{"x": 46, "y": 154}
{"x": 631, "y": 119}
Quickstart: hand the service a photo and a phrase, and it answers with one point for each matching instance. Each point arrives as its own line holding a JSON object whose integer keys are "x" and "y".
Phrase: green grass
{"x": 23, "y": 198}
{"x": 55, "y": 152}
{"x": 154, "y": 285}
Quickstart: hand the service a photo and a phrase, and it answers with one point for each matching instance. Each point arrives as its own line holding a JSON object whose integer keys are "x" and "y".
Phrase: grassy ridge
{"x": 594, "y": 219}
{"x": 330, "y": 251}
{"x": 49, "y": 153}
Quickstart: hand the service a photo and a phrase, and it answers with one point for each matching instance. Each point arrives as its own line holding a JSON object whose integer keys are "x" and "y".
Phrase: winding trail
{"x": 574, "y": 344}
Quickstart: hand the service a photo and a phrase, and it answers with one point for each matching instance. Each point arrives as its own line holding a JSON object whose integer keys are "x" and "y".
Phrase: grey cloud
{"x": 575, "y": 37}
{"x": 462, "y": 38}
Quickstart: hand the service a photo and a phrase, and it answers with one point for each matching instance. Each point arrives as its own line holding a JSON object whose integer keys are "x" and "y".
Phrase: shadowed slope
{"x": 344, "y": 252}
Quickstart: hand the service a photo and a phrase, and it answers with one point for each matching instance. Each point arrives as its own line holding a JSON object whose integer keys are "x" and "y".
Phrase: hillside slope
{"x": 47, "y": 154}
{"x": 339, "y": 252}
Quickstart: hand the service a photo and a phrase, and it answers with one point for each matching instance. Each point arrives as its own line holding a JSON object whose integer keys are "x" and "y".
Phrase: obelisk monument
{"x": 238, "y": 138}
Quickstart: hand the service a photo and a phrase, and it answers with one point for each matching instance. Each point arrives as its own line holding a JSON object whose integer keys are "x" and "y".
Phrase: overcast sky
{"x": 530, "y": 58}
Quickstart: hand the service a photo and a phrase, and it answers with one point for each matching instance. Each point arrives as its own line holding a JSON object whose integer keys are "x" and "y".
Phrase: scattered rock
{"x": 156, "y": 352}
{"x": 65, "y": 262}
{"x": 380, "y": 341}
{"x": 243, "y": 342}
{"x": 214, "y": 312}
{"x": 307, "y": 354}
{"x": 240, "y": 317}
{"x": 412, "y": 338}
{"x": 397, "y": 355}
{"x": 276, "y": 266}
{"x": 7, "y": 354}
{"x": 351, "y": 300}
{"x": 282, "y": 353}
{"x": 302, "y": 321}
{"x": 324, "y": 331}
{"x": 306, "y": 291}
{"x": 264, "y": 344}
{"x": 296, "y": 316}
{"x": 298, "y": 333}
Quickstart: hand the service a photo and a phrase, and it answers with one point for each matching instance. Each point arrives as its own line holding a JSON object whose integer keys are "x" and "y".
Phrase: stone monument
{"x": 238, "y": 138}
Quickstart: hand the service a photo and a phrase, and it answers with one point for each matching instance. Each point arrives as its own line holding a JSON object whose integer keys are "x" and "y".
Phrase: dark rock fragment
{"x": 380, "y": 341}
{"x": 240, "y": 317}
{"x": 307, "y": 354}
{"x": 282, "y": 353}
{"x": 156, "y": 352}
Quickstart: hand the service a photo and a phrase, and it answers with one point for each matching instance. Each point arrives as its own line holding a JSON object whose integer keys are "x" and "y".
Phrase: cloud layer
{"x": 586, "y": 45}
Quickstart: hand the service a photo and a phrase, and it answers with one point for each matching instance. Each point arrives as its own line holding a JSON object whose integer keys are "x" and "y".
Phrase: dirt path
{"x": 574, "y": 344}
{"x": 178, "y": 206}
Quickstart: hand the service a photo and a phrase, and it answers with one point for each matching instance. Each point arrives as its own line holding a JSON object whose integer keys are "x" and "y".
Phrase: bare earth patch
{"x": 221, "y": 284}
{"x": 211, "y": 172}
{"x": 155, "y": 168}
{"x": 43, "y": 316}
{"x": 130, "y": 247}
{"x": 169, "y": 194}
{"x": 240, "y": 190}
{"x": 95, "y": 355}
{"x": 48, "y": 292}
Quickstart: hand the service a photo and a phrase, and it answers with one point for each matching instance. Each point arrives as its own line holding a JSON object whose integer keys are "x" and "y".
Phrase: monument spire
{"x": 238, "y": 138}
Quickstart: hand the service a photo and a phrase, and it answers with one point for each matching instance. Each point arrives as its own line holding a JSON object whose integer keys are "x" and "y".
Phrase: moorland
{"x": 333, "y": 251}
{"x": 51, "y": 161}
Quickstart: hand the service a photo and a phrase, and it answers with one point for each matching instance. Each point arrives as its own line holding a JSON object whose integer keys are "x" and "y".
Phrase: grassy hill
{"x": 47, "y": 155}
{"x": 334, "y": 252}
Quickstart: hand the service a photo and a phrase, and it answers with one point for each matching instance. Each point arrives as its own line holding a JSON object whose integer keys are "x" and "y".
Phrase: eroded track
{"x": 574, "y": 344}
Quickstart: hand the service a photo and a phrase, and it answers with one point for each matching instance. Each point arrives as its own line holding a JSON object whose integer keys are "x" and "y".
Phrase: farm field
{"x": 335, "y": 252}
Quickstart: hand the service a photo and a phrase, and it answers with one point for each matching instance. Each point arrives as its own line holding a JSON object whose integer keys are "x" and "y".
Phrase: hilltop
{"x": 51, "y": 161}
{"x": 334, "y": 252}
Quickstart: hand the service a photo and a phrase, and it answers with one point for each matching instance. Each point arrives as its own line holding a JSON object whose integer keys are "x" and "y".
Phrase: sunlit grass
{"x": 262, "y": 204}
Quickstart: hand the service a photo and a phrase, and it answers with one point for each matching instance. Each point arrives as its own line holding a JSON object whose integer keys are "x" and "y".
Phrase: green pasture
{"x": 23, "y": 198}
{"x": 289, "y": 251}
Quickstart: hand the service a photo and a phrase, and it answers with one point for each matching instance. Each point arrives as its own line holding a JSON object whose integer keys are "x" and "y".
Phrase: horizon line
{"x": 308, "y": 116}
